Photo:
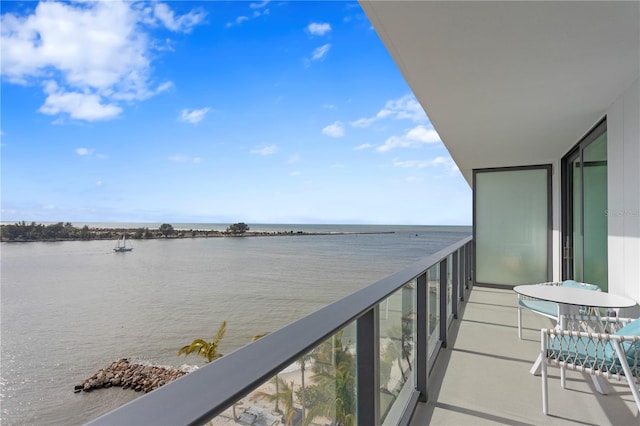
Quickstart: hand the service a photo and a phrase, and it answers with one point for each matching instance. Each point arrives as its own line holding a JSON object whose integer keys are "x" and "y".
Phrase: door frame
{"x": 567, "y": 250}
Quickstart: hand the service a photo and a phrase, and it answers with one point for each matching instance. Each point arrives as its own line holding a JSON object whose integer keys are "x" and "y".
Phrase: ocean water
{"x": 70, "y": 308}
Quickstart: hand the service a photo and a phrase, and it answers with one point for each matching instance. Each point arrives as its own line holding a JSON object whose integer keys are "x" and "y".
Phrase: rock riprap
{"x": 127, "y": 375}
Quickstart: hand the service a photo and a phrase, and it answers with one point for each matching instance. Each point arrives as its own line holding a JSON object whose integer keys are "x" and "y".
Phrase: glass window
{"x": 511, "y": 225}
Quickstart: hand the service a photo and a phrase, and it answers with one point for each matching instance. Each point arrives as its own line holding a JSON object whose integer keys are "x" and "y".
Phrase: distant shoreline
{"x": 23, "y": 233}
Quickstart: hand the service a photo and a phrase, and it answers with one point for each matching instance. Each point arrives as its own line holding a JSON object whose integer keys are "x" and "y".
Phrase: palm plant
{"x": 277, "y": 398}
{"x": 400, "y": 348}
{"x": 335, "y": 378}
{"x": 303, "y": 360}
{"x": 285, "y": 393}
{"x": 208, "y": 350}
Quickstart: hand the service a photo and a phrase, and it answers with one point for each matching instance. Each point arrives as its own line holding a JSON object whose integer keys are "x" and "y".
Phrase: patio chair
{"x": 614, "y": 351}
{"x": 546, "y": 308}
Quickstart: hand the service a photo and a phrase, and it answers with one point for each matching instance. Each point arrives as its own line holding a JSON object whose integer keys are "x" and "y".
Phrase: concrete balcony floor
{"x": 483, "y": 376}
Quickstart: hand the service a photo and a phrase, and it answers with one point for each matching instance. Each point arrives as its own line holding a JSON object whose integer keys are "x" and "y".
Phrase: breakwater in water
{"x": 123, "y": 373}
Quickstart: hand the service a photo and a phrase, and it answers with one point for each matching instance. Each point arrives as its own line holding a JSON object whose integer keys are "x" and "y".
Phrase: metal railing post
{"x": 467, "y": 270}
{"x": 463, "y": 269}
{"x": 443, "y": 302}
{"x": 422, "y": 351}
{"x": 368, "y": 361}
{"x": 472, "y": 264}
{"x": 455, "y": 278}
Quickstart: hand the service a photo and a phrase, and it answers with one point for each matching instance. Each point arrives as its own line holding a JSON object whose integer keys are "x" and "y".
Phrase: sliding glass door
{"x": 584, "y": 210}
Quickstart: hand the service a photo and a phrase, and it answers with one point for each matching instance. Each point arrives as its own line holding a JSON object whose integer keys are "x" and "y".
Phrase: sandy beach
{"x": 270, "y": 415}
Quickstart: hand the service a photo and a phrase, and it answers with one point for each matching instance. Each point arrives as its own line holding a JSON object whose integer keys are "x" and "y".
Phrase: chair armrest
{"x": 597, "y": 353}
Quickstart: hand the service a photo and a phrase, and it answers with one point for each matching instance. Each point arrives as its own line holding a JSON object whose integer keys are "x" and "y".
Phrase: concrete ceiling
{"x": 511, "y": 83}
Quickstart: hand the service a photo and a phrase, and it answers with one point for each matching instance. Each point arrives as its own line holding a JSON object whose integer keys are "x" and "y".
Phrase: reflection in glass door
{"x": 585, "y": 204}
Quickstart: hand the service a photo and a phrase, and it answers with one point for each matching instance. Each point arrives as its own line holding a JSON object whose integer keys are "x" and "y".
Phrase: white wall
{"x": 623, "y": 156}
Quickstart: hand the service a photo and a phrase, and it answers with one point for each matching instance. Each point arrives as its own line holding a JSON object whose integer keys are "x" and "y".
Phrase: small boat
{"x": 121, "y": 245}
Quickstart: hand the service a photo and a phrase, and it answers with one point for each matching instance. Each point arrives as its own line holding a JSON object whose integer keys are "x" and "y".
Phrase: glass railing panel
{"x": 269, "y": 404}
{"x": 449, "y": 285}
{"x": 319, "y": 388}
{"x": 330, "y": 396}
{"x": 397, "y": 352}
{"x": 326, "y": 392}
{"x": 433, "y": 307}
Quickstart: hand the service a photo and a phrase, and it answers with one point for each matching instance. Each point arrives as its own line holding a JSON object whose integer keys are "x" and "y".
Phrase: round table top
{"x": 574, "y": 296}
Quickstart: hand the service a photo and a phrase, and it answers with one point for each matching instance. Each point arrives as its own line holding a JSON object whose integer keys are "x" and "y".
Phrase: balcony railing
{"x": 367, "y": 357}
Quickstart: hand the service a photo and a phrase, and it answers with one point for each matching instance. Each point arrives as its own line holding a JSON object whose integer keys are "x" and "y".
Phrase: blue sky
{"x": 263, "y": 112}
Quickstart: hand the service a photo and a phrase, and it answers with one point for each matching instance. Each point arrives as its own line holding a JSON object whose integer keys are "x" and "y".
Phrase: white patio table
{"x": 566, "y": 298}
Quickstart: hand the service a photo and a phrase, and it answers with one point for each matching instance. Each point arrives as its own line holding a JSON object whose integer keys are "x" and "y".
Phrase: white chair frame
{"x": 607, "y": 358}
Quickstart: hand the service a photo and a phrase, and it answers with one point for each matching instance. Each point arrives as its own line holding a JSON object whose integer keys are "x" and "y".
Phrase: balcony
{"x": 483, "y": 378}
{"x": 418, "y": 347}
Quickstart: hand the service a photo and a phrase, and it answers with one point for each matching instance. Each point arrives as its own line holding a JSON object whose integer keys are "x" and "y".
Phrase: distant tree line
{"x": 23, "y": 231}
{"x": 61, "y": 231}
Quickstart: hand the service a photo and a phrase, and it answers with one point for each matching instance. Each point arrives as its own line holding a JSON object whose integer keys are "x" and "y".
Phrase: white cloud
{"x": 181, "y": 158}
{"x": 335, "y": 130}
{"x": 184, "y": 23}
{"x": 318, "y": 28}
{"x": 294, "y": 158}
{"x": 410, "y": 164}
{"x": 99, "y": 183}
{"x": 445, "y": 162}
{"x": 265, "y": 150}
{"x": 255, "y": 14}
{"x": 239, "y": 20}
{"x": 193, "y": 116}
{"x": 259, "y": 5}
{"x": 81, "y": 106}
{"x": 363, "y": 146}
{"x": 423, "y": 134}
{"x": 164, "y": 87}
{"x": 83, "y": 151}
{"x": 296, "y": 173}
{"x": 406, "y": 107}
{"x": 320, "y": 52}
{"x": 413, "y": 138}
{"x": 97, "y": 53}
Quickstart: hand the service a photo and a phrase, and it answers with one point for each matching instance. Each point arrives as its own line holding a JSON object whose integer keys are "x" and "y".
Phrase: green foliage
{"x": 85, "y": 234}
{"x": 238, "y": 228}
{"x": 333, "y": 394}
{"x": 166, "y": 229}
{"x": 259, "y": 336}
{"x": 207, "y": 350}
{"x": 303, "y": 361}
{"x": 21, "y": 231}
{"x": 284, "y": 393}
{"x": 139, "y": 233}
{"x": 399, "y": 349}
{"x": 314, "y": 395}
